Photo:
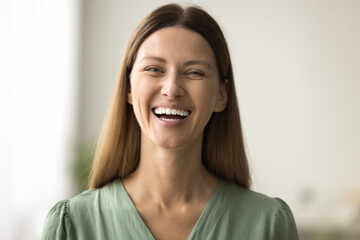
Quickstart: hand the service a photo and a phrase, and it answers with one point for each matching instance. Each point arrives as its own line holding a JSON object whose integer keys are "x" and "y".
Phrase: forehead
{"x": 178, "y": 44}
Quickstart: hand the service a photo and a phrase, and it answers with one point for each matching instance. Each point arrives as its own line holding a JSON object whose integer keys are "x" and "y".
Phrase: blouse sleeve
{"x": 283, "y": 225}
{"x": 57, "y": 224}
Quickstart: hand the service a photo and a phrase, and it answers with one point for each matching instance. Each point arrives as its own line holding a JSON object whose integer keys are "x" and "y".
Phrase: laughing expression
{"x": 175, "y": 88}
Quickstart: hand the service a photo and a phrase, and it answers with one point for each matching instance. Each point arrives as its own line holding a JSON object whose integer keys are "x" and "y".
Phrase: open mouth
{"x": 170, "y": 114}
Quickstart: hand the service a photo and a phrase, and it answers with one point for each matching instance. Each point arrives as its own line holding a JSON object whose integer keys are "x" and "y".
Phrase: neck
{"x": 170, "y": 176}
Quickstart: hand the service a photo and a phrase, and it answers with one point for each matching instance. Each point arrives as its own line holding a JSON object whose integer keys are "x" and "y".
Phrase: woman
{"x": 170, "y": 163}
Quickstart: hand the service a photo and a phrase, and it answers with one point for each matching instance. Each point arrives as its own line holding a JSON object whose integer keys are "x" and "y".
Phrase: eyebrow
{"x": 187, "y": 63}
{"x": 158, "y": 59}
{"x": 194, "y": 62}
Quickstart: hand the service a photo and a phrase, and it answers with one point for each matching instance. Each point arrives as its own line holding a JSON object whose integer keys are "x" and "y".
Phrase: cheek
{"x": 205, "y": 101}
{"x": 141, "y": 96}
{"x": 137, "y": 90}
{"x": 208, "y": 95}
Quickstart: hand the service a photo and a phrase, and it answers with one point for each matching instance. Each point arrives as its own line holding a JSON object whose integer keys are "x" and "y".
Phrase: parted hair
{"x": 117, "y": 153}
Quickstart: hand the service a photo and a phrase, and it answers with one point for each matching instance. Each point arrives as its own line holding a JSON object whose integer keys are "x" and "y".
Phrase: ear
{"x": 221, "y": 100}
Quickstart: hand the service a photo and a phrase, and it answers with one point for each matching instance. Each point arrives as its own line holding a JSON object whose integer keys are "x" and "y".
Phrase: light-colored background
{"x": 297, "y": 71}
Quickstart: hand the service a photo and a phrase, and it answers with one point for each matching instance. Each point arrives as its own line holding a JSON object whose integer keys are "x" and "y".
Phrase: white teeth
{"x": 169, "y": 111}
{"x": 169, "y": 119}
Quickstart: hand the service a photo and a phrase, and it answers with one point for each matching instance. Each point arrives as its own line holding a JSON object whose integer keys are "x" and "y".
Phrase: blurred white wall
{"x": 38, "y": 70}
{"x": 298, "y": 83}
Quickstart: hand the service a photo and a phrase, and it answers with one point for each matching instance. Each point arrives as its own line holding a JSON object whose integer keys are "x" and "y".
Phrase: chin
{"x": 171, "y": 145}
{"x": 172, "y": 142}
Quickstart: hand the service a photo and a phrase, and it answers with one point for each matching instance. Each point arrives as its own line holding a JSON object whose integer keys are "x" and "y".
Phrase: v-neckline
{"x": 208, "y": 217}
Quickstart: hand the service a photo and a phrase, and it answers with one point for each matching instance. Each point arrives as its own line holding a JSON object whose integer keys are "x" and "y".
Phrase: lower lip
{"x": 170, "y": 123}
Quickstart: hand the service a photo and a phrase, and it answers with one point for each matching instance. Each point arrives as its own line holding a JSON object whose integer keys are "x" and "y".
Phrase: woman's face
{"x": 175, "y": 87}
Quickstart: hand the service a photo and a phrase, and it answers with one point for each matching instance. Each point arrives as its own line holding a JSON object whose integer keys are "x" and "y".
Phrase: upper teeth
{"x": 170, "y": 111}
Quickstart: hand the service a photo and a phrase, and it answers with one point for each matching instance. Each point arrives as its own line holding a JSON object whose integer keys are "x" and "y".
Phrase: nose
{"x": 172, "y": 86}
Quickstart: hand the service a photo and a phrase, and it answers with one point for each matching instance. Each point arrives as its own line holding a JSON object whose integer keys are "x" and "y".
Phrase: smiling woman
{"x": 175, "y": 72}
{"x": 170, "y": 163}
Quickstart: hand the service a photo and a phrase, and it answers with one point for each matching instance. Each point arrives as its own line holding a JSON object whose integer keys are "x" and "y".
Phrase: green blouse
{"x": 232, "y": 212}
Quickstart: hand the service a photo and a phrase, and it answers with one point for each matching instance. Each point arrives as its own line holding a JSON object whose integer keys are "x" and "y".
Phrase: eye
{"x": 153, "y": 69}
{"x": 195, "y": 73}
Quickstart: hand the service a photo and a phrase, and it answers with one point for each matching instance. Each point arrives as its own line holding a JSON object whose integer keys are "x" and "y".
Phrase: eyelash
{"x": 198, "y": 73}
{"x": 153, "y": 69}
{"x": 156, "y": 70}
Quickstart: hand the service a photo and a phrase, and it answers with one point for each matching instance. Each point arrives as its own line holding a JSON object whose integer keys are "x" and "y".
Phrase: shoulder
{"x": 57, "y": 224}
{"x": 92, "y": 201}
{"x": 270, "y": 215}
{"x": 240, "y": 197}
{"x": 81, "y": 213}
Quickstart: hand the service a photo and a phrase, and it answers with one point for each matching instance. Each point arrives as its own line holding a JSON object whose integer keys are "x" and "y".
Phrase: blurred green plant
{"x": 84, "y": 154}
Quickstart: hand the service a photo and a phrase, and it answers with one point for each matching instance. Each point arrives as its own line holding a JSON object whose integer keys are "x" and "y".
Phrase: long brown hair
{"x": 118, "y": 150}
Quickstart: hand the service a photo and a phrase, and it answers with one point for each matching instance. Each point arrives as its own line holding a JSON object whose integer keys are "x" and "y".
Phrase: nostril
{"x": 172, "y": 90}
